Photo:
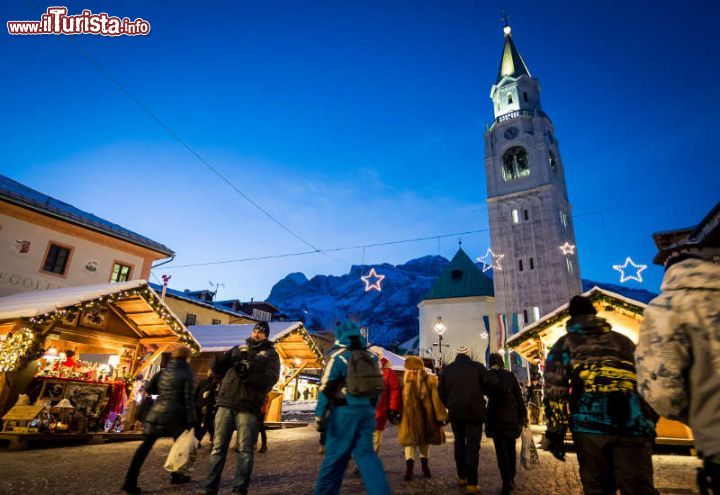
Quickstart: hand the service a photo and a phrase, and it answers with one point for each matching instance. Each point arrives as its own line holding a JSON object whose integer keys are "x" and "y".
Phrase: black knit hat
{"x": 263, "y": 327}
{"x": 581, "y": 305}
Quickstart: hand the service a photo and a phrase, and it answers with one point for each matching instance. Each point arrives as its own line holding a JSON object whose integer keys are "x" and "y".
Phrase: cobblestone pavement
{"x": 290, "y": 466}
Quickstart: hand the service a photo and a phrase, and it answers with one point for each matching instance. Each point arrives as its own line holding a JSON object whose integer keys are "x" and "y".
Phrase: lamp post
{"x": 440, "y": 328}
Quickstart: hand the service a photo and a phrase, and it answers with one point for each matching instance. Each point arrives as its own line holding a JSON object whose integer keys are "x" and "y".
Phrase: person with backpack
{"x": 423, "y": 415}
{"x": 506, "y": 416}
{"x": 591, "y": 387}
{"x": 461, "y": 390}
{"x": 350, "y": 386}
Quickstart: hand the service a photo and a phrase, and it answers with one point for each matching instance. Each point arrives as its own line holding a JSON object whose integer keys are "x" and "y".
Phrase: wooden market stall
{"x": 298, "y": 353}
{"x": 624, "y": 314}
{"x": 75, "y": 351}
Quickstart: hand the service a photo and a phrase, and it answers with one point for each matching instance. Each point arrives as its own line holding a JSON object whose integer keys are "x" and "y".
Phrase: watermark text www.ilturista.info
{"x": 57, "y": 21}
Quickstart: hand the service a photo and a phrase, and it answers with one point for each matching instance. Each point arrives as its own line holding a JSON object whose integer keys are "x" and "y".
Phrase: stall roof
{"x": 291, "y": 338}
{"x": 549, "y": 328}
{"x": 134, "y": 301}
{"x": 397, "y": 361}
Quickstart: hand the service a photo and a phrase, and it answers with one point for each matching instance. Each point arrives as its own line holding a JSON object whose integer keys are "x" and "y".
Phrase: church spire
{"x": 511, "y": 63}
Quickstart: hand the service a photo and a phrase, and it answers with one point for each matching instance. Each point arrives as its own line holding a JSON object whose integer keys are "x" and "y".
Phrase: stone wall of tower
{"x": 532, "y": 237}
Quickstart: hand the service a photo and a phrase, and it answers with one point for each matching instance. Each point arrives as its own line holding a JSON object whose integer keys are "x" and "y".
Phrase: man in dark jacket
{"x": 534, "y": 399}
{"x": 506, "y": 415}
{"x": 461, "y": 391}
{"x": 249, "y": 373}
{"x": 205, "y": 395}
{"x": 172, "y": 412}
{"x": 592, "y": 370}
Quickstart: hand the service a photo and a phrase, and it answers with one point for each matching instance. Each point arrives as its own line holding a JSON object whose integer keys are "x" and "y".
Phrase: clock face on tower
{"x": 511, "y": 133}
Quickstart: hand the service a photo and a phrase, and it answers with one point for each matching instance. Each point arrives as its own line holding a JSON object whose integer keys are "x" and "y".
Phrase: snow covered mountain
{"x": 392, "y": 314}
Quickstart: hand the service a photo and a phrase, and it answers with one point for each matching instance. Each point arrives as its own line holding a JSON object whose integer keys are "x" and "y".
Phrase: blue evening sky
{"x": 360, "y": 122}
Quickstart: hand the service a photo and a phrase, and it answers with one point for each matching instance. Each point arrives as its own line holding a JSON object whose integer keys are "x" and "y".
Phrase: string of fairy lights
{"x": 26, "y": 344}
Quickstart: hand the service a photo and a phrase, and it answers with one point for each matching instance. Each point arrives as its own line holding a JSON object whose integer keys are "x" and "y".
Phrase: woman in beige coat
{"x": 423, "y": 415}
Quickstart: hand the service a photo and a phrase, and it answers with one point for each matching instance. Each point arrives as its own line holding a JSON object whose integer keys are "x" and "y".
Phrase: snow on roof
{"x": 185, "y": 296}
{"x": 564, "y": 307}
{"x": 38, "y": 302}
{"x": 220, "y": 338}
{"x": 410, "y": 344}
{"x": 397, "y": 362}
{"x": 26, "y": 197}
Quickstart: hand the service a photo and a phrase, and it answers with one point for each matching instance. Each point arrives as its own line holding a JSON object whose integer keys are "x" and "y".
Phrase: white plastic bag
{"x": 528, "y": 451}
{"x": 182, "y": 453}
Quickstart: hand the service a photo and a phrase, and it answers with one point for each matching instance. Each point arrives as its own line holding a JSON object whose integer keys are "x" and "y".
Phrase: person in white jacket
{"x": 678, "y": 355}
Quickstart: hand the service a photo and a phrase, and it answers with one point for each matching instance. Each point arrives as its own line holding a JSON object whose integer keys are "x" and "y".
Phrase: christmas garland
{"x": 148, "y": 295}
{"x": 19, "y": 348}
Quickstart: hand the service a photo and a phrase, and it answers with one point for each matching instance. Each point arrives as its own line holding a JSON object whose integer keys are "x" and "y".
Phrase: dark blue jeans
{"x": 227, "y": 421}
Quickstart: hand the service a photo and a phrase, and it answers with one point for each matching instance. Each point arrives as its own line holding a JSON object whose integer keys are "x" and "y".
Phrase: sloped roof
{"x": 21, "y": 195}
{"x": 461, "y": 278}
{"x": 522, "y": 341}
{"x": 291, "y": 340}
{"x": 219, "y": 338}
{"x": 188, "y": 297}
{"x": 511, "y": 63}
{"x": 706, "y": 233}
{"x": 137, "y": 302}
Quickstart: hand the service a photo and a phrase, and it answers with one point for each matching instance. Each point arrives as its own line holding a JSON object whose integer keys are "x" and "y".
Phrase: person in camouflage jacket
{"x": 678, "y": 355}
{"x": 590, "y": 372}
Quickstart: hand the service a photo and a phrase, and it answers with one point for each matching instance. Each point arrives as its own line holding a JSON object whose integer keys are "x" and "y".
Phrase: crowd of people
{"x": 597, "y": 386}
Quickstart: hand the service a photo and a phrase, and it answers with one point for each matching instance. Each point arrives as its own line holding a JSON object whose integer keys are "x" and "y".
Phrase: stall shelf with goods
{"x": 77, "y": 352}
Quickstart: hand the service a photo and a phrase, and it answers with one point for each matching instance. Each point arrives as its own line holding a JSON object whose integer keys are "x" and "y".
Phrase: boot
{"x": 130, "y": 487}
{"x": 409, "y": 463}
{"x": 425, "y": 467}
{"x": 179, "y": 479}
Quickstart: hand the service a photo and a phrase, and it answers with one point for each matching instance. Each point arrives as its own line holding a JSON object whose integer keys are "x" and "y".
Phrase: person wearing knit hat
{"x": 613, "y": 429}
{"x": 581, "y": 305}
{"x": 423, "y": 415}
{"x": 461, "y": 391}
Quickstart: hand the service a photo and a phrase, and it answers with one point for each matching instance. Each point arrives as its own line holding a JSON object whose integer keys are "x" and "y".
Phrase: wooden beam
{"x": 121, "y": 314}
{"x": 152, "y": 358}
{"x": 292, "y": 377}
{"x": 170, "y": 339}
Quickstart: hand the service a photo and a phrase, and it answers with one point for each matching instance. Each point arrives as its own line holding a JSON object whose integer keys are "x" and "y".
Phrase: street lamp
{"x": 440, "y": 328}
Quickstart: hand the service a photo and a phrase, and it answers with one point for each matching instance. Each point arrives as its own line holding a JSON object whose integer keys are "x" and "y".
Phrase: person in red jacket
{"x": 388, "y": 406}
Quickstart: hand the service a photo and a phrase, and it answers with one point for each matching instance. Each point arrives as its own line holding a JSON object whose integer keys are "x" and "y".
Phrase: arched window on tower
{"x": 525, "y": 96}
{"x": 515, "y": 164}
{"x": 510, "y": 100}
{"x": 552, "y": 162}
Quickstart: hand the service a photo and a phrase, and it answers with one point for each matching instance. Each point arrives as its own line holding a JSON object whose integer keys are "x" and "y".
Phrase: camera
{"x": 242, "y": 361}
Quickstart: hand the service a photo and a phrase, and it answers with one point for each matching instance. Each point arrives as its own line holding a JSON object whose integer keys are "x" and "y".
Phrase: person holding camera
{"x": 249, "y": 373}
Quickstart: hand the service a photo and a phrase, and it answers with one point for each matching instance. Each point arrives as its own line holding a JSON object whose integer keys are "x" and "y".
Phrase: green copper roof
{"x": 511, "y": 63}
{"x": 461, "y": 278}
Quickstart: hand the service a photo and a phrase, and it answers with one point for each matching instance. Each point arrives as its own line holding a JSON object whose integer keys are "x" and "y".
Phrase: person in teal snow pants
{"x": 348, "y": 421}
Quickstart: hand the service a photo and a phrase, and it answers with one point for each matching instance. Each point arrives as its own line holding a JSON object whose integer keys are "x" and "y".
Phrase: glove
{"x": 554, "y": 442}
{"x": 320, "y": 424}
{"x": 394, "y": 416}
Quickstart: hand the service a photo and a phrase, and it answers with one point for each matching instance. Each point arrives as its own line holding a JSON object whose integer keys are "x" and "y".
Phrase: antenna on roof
{"x": 215, "y": 286}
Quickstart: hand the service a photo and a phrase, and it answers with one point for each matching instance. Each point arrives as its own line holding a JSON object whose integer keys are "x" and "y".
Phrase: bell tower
{"x": 528, "y": 208}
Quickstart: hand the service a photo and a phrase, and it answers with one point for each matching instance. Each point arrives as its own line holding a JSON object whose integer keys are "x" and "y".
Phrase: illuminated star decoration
{"x": 372, "y": 285}
{"x": 567, "y": 248}
{"x": 638, "y": 269}
{"x": 491, "y": 260}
